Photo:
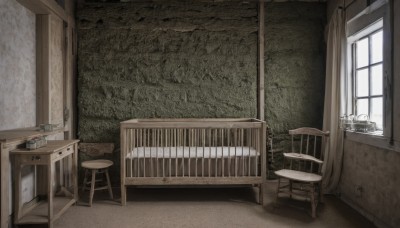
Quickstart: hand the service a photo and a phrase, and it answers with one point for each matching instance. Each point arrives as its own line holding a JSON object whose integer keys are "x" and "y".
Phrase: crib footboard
{"x": 192, "y": 152}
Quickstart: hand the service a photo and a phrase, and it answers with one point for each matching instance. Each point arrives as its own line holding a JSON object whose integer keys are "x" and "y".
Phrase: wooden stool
{"x": 96, "y": 166}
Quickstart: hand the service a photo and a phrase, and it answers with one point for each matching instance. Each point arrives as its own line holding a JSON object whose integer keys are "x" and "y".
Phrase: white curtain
{"x": 335, "y": 71}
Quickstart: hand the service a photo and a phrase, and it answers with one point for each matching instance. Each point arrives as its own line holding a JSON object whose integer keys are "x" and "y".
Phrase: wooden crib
{"x": 193, "y": 152}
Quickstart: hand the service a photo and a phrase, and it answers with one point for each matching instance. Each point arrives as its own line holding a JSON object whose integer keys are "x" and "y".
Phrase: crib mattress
{"x": 191, "y": 152}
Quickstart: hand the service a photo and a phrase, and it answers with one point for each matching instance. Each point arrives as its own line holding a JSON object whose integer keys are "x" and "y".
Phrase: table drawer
{"x": 63, "y": 153}
{"x": 34, "y": 159}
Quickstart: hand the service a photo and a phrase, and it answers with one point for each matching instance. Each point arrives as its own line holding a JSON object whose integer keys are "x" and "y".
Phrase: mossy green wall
{"x": 147, "y": 60}
{"x": 294, "y": 68}
{"x": 198, "y": 59}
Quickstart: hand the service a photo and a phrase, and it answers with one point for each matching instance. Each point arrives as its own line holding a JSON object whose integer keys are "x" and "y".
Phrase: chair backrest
{"x": 311, "y": 144}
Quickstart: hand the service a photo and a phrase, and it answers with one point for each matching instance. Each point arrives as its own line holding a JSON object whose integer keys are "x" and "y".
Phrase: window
{"x": 367, "y": 65}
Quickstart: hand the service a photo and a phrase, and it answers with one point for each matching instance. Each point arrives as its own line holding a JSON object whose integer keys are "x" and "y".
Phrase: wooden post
{"x": 123, "y": 169}
{"x": 261, "y": 92}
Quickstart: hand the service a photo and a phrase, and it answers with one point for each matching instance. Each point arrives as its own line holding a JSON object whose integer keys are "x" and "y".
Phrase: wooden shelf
{"x": 39, "y": 214}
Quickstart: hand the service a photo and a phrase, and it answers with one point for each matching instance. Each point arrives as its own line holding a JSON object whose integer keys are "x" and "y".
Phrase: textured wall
{"x": 294, "y": 65}
{"x": 370, "y": 180}
{"x": 147, "y": 60}
{"x": 17, "y": 66}
{"x": 198, "y": 59}
{"x": 294, "y": 70}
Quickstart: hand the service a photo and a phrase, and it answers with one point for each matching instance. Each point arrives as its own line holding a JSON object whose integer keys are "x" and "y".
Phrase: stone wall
{"x": 147, "y": 60}
{"x": 370, "y": 182}
{"x": 198, "y": 59}
{"x": 294, "y": 68}
{"x": 294, "y": 65}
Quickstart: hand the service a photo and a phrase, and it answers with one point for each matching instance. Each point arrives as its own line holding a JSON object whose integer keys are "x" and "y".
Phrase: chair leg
{"x": 313, "y": 203}
{"x": 92, "y": 187}
{"x": 277, "y": 189}
{"x": 109, "y": 184}
{"x": 321, "y": 193}
{"x": 85, "y": 180}
{"x": 261, "y": 194}
{"x": 290, "y": 189}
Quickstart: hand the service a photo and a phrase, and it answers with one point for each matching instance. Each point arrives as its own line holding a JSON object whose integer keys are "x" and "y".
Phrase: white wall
{"x": 17, "y": 66}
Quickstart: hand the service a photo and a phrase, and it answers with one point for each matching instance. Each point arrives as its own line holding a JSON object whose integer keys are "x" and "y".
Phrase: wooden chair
{"x": 305, "y": 161}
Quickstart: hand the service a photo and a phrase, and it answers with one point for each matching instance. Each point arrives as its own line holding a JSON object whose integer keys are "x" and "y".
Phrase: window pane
{"x": 377, "y": 111}
{"x": 362, "y": 83}
{"x": 362, "y": 53}
{"x": 362, "y": 106}
{"x": 376, "y": 80}
{"x": 376, "y": 47}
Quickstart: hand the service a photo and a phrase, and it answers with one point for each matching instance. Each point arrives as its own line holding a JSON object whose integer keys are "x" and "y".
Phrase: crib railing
{"x": 199, "y": 152}
{"x": 158, "y": 151}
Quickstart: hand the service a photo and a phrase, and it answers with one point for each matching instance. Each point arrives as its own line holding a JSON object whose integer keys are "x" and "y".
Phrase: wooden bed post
{"x": 263, "y": 137}
{"x": 261, "y": 91}
{"x": 261, "y": 94}
{"x": 123, "y": 168}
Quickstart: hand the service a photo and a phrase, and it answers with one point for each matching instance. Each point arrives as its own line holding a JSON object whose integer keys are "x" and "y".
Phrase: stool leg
{"x": 109, "y": 185}
{"x": 85, "y": 180}
{"x": 92, "y": 187}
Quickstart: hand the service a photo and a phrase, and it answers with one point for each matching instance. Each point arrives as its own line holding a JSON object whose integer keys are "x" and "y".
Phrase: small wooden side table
{"x": 51, "y": 207}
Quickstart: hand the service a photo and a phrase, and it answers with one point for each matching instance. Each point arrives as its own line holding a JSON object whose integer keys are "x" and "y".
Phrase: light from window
{"x": 368, "y": 76}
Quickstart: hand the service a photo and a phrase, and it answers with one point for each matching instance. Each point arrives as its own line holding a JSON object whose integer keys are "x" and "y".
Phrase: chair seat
{"x": 97, "y": 164}
{"x": 302, "y": 157}
{"x": 298, "y": 175}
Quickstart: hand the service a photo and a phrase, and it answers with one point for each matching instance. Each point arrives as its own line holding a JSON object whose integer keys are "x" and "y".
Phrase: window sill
{"x": 376, "y": 139}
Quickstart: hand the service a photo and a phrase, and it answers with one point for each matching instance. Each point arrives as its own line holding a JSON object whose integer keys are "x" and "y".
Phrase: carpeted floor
{"x": 207, "y": 207}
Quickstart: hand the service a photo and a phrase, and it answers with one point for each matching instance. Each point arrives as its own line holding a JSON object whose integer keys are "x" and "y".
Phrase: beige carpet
{"x": 207, "y": 207}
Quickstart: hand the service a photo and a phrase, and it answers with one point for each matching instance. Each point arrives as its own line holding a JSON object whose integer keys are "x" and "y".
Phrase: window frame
{"x": 358, "y": 26}
{"x": 370, "y": 30}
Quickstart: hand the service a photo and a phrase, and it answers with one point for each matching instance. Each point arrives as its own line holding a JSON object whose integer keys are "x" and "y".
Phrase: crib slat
{"x": 132, "y": 148}
{"x": 183, "y": 151}
{"x": 229, "y": 152}
{"x": 215, "y": 147}
{"x": 166, "y": 146}
{"x": 144, "y": 152}
{"x": 148, "y": 136}
{"x": 249, "y": 155}
{"x": 202, "y": 159}
{"x": 171, "y": 141}
{"x": 257, "y": 149}
{"x": 242, "y": 145}
{"x": 222, "y": 158}
{"x": 156, "y": 146}
{"x": 195, "y": 147}
{"x": 163, "y": 151}
{"x": 139, "y": 157}
{"x": 176, "y": 151}
{"x": 209, "y": 153}
{"x": 190, "y": 146}
{"x": 236, "y": 145}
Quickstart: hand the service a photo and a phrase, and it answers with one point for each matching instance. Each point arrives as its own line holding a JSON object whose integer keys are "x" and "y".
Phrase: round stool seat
{"x": 97, "y": 164}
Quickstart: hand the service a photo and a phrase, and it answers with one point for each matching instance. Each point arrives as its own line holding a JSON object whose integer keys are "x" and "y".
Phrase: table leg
{"x": 50, "y": 193}
{"x": 4, "y": 186}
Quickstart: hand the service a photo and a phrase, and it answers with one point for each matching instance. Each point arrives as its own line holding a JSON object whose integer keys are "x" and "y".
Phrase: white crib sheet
{"x": 191, "y": 152}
